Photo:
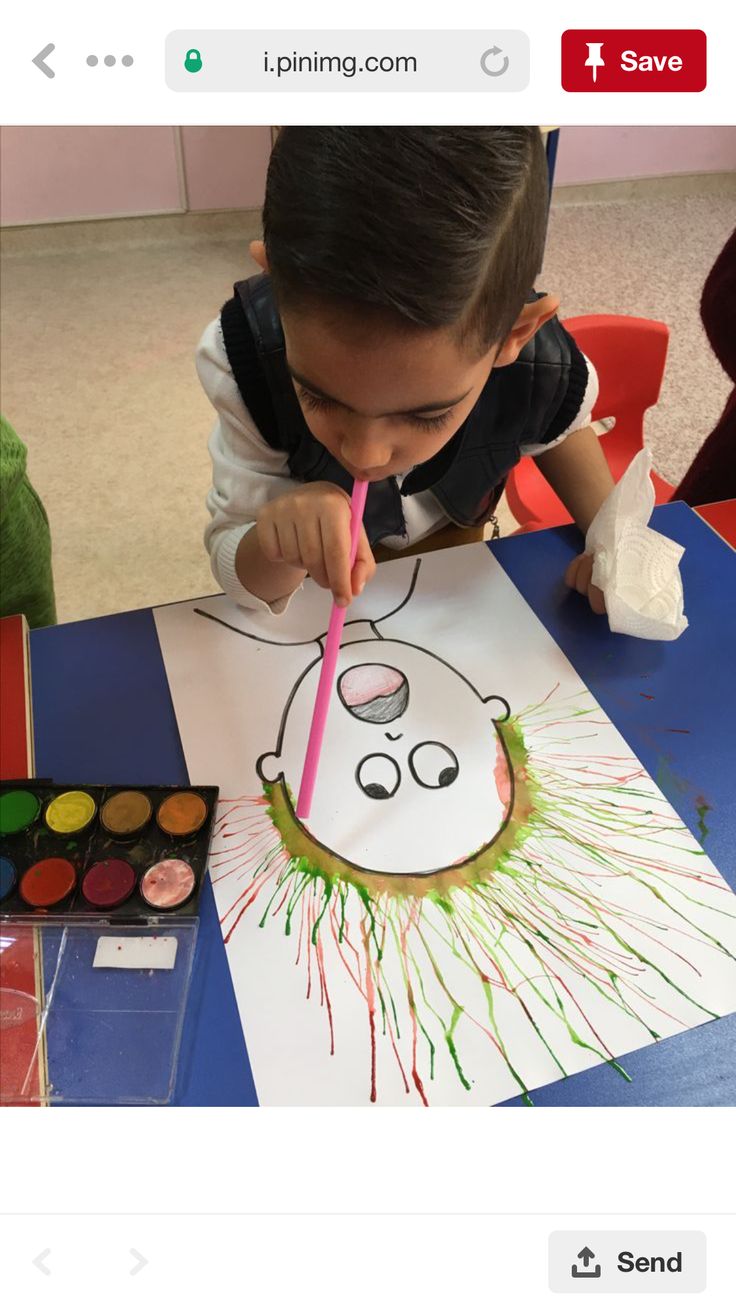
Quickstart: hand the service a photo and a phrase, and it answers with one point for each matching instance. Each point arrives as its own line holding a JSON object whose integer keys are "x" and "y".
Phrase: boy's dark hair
{"x": 441, "y": 226}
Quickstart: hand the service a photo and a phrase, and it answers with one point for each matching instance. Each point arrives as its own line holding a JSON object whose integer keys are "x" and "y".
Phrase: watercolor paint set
{"x": 99, "y": 888}
{"x": 132, "y": 853}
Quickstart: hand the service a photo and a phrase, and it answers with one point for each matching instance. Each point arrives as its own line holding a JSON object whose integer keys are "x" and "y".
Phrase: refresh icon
{"x": 494, "y": 69}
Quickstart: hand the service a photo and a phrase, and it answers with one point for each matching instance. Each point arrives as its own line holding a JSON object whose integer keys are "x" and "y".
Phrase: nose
{"x": 366, "y": 446}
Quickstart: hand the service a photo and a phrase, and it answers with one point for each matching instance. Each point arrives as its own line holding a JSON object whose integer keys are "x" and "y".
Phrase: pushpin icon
{"x": 595, "y": 59}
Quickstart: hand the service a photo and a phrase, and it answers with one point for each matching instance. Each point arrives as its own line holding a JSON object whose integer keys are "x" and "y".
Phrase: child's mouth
{"x": 369, "y": 474}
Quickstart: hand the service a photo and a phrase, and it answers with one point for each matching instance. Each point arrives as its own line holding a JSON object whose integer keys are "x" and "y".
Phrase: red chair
{"x": 629, "y": 355}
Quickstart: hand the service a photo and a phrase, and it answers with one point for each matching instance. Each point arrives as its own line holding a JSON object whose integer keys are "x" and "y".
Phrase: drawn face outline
{"x": 271, "y": 771}
{"x": 279, "y": 767}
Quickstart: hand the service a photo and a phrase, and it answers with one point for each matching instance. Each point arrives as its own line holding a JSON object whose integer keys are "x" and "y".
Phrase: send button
{"x": 589, "y": 1262}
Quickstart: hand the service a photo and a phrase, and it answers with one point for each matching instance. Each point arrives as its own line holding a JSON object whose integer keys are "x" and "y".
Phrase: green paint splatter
{"x": 525, "y": 940}
{"x": 702, "y": 808}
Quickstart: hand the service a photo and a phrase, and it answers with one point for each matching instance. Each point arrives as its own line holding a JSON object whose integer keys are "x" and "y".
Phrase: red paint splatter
{"x": 415, "y": 1076}
{"x": 371, "y": 998}
{"x": 324, "y": 991}
{"x": 502, "y": 776}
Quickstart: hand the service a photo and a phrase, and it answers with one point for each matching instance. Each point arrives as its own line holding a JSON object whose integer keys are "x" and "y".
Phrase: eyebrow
{"x": 418, "y": 409}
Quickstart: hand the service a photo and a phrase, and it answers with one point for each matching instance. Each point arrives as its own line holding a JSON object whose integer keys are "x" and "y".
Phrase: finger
{"x": 361, "y": 574}
{"x": 335, "y": 529}
{"x": 597, "y": 602}
{"x": 582, "y": 580}
{"x": 364, "y": 551}
{"x": 365, "y": 564}
{"x": 310, "y": 549}
{"x": 268, "y": 540}
{"x": 571, "y": 571}
{"x": 289, "y": 544}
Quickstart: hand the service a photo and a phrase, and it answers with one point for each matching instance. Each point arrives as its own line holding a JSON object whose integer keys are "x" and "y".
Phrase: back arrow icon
{"x": 38, "y": 60}
{"x": 38, "y": 1263}
{"x": 140, "y": 1262}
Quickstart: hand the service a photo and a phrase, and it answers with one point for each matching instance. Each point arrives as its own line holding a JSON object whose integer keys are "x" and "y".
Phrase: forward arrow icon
{"x": 140, "y": 1262}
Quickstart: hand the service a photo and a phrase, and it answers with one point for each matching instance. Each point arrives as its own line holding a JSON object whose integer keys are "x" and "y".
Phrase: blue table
{"x": 103, "y": 713}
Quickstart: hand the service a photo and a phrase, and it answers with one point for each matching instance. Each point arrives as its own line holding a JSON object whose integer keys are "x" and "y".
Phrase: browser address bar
{"x": 257, "y": 61}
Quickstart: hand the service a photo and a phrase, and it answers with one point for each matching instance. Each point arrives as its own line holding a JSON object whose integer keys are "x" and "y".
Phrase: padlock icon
{"x": 193, "y": 61}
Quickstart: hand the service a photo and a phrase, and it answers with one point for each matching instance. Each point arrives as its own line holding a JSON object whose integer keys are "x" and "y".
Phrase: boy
{"x": 393, "y": 335}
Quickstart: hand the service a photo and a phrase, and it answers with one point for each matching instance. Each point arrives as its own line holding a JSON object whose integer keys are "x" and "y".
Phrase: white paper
{"x": 590, "y": 923}
{"x": 145, "y": 952}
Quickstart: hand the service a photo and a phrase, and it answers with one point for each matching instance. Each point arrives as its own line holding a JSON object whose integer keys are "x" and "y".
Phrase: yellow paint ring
{"x": 70, "y": 812}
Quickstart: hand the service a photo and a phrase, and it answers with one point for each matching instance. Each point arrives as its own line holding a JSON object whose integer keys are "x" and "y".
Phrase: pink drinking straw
{"x": 329, "y": 663}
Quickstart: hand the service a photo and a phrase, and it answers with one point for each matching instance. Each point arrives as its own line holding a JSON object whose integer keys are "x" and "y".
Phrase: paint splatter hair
{"x": 535, "y": 910}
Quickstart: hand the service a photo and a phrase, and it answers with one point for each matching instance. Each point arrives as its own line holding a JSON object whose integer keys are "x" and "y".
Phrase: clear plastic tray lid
{"x": 92, "y": 1012}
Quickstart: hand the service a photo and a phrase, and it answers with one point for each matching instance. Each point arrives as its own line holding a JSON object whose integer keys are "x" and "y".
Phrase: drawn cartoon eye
{"x": 375, "y": 693}
{"x": 378, "y": 776}
{"x": 433, "y": 765}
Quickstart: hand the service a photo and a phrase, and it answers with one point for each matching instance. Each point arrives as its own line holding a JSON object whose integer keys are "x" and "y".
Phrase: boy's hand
{"x": 310, "y": 528}
{"x": 578, "y": 575}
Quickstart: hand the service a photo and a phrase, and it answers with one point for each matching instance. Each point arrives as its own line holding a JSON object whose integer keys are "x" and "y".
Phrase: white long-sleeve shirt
{"x": 248, "y": 473}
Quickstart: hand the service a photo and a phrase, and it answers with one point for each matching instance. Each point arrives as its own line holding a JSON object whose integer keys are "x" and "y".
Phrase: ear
{"x": 258, "y": 252}
{"x": 531, "y": 318}
{"x": 500, "y": 708}
{"x": 268, "y": 767}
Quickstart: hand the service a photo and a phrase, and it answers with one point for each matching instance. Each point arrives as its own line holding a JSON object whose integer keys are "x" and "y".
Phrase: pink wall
{"x": 55, "y": 173}
{"x": 51, "y": 173}
{"x": 597, "y": 154}
{"x": 226, "y": 166}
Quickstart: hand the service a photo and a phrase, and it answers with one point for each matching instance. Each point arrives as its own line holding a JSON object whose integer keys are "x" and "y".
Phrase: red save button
{"x": 612, "y": 59}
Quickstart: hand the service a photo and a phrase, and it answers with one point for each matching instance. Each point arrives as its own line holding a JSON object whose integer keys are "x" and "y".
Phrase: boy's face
{"x": 381, "y": 399}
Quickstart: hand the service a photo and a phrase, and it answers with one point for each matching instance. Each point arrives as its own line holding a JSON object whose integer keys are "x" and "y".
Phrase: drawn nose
{"x": 375, "y": 693}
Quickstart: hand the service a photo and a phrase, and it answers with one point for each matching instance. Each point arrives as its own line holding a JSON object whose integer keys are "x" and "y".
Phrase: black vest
{"x": 528, "y": 402}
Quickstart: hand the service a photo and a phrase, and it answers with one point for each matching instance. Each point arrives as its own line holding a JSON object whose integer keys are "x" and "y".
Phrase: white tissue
{"x": 636, "y": 568}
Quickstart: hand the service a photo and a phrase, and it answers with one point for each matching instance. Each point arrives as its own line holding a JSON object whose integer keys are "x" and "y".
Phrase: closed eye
{"x": 425, "y": 422}
{"x": 393, "y": 738}
{"x": 431, "y": 423}
{"x": 315, "y": 401}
